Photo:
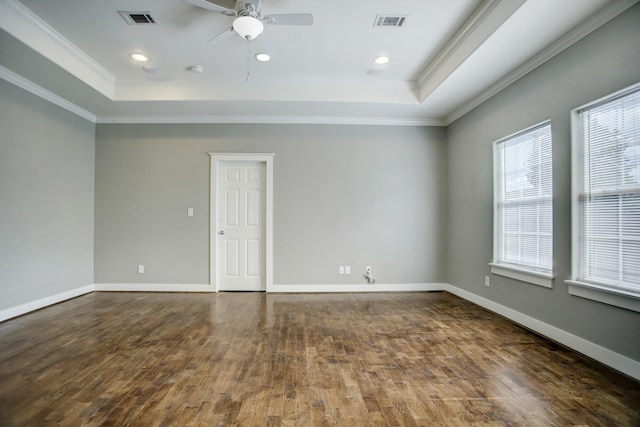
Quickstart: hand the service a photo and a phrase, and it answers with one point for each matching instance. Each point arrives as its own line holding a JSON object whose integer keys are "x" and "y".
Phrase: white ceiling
{"x": 448, "y": 57}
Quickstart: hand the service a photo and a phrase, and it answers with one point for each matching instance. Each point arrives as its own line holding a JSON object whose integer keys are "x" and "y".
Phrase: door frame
{"x": 267, "y": 244}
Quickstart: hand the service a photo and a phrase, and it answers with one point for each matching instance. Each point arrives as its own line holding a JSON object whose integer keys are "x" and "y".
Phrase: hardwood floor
{"x": 251, "y": 359}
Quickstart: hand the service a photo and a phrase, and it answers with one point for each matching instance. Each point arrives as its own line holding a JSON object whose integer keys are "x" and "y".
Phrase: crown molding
{"x": 483, "y": 22}
{"x": 30, "y": 29}
{"x": 397, "y": 93}
{"x": 305, "y": 120}
{"x": 29, "y": 86}
{"x": 578, "y": 32}
{"x": 37, "y": 90}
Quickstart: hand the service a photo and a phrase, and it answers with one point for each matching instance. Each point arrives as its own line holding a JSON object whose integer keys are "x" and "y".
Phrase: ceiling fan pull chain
{"x": 248, "y": 59}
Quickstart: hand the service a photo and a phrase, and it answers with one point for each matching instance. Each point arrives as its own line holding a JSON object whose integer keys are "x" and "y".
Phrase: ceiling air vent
{"x": 390, "y": 21}
{"x": 137, "y": 18}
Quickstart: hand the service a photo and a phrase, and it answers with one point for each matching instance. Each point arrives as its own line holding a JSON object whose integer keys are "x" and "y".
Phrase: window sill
{"x": 605, "y": 295}
{"x": 528, "y": 276}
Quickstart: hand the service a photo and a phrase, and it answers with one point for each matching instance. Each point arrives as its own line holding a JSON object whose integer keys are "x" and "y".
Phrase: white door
{"x": 241, "y": 226}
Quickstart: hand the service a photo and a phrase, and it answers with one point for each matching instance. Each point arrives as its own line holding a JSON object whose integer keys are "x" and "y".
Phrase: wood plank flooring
{"x": 251, "y": 359}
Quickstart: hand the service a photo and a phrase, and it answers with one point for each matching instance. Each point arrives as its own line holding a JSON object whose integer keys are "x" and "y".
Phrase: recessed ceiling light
{"x": 195, "y": 69}
{"x": 263, "y": 57}
{"x": 140, "y": 57}
{"x": 381, "y": 60}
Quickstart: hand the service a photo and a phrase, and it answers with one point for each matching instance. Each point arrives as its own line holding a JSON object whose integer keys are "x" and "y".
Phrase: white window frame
{"x": 594, "y": 291}
{"x": 522, "y": 273}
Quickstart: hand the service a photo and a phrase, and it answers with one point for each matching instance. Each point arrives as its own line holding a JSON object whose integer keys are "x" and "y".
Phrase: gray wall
{"x": 46, "y": 198}
{"x": 604, "y": 62}
{"x": 343, "y": 195}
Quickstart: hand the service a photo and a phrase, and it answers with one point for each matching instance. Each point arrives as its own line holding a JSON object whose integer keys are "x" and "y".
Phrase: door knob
{"x": 221, "y": 232}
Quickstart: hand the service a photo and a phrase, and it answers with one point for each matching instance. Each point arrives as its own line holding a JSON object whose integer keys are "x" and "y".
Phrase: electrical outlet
{"x": 347, "y": 269}
{"x": 189, "y": 211}
{"x": 487, "y": 281}
{"x": 140, "y": 269}
{"x": 341, "y": 269}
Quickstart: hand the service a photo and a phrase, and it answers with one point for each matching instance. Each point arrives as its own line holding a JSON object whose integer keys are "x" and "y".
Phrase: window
{"x": 523, "y": 210}
{"x": 606, "y": 205}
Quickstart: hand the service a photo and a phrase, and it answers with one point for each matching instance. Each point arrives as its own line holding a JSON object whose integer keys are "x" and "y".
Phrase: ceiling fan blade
{"x": 219, "y": 6}
{"x": 266, "y": 46}
{"x": 289, "y": 19}
{"x": 226, "y": 34}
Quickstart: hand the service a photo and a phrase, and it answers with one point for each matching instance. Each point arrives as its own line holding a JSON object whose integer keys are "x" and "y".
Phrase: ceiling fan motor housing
{"x": 248, "y": 21}
{"x": 249, "y": 8}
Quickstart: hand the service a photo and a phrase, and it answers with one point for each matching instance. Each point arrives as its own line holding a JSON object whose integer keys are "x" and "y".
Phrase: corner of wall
{"x": 19, "y": 310}
{"x": 596, "y": 352}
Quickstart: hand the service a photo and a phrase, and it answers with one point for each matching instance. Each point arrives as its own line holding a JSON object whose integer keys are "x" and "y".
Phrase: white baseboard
{"x": 152, "y": 287}
{"x": 603, "y": 355}
{"x": 9, "y": 313}
{"x": 375, "y": 287}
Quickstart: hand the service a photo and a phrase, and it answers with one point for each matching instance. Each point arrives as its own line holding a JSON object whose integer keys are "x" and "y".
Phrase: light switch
{"x": 189, "y": 211}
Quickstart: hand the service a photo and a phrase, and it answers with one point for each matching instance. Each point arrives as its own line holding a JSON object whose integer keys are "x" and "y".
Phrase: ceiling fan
{"x": 249, "y": 21}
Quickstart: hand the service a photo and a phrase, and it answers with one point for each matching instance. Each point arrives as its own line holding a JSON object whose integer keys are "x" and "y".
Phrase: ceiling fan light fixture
{"x": 263, "y": 57}
{"x": 381, "y": 60}
{"x": 248, "y": 27}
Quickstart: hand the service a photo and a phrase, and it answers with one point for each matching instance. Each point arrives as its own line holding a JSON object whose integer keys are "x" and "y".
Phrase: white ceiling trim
{"x": 43, "y": 93}
{"x": 483, "y": 22}
{"x": 31, "y": 30}
{"x": 578, "y": 32}
{"x": 306, "y": 120}
{"x": 37, "y": 90}
{"x": 193, "y": 91}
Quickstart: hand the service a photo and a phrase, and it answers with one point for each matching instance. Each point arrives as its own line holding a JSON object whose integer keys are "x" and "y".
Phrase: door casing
{"x": 267, "y": 244}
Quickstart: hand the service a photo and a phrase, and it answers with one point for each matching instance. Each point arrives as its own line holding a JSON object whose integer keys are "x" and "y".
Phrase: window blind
{"x": 609, "y": 193}
{"x": 523, "y": 200}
